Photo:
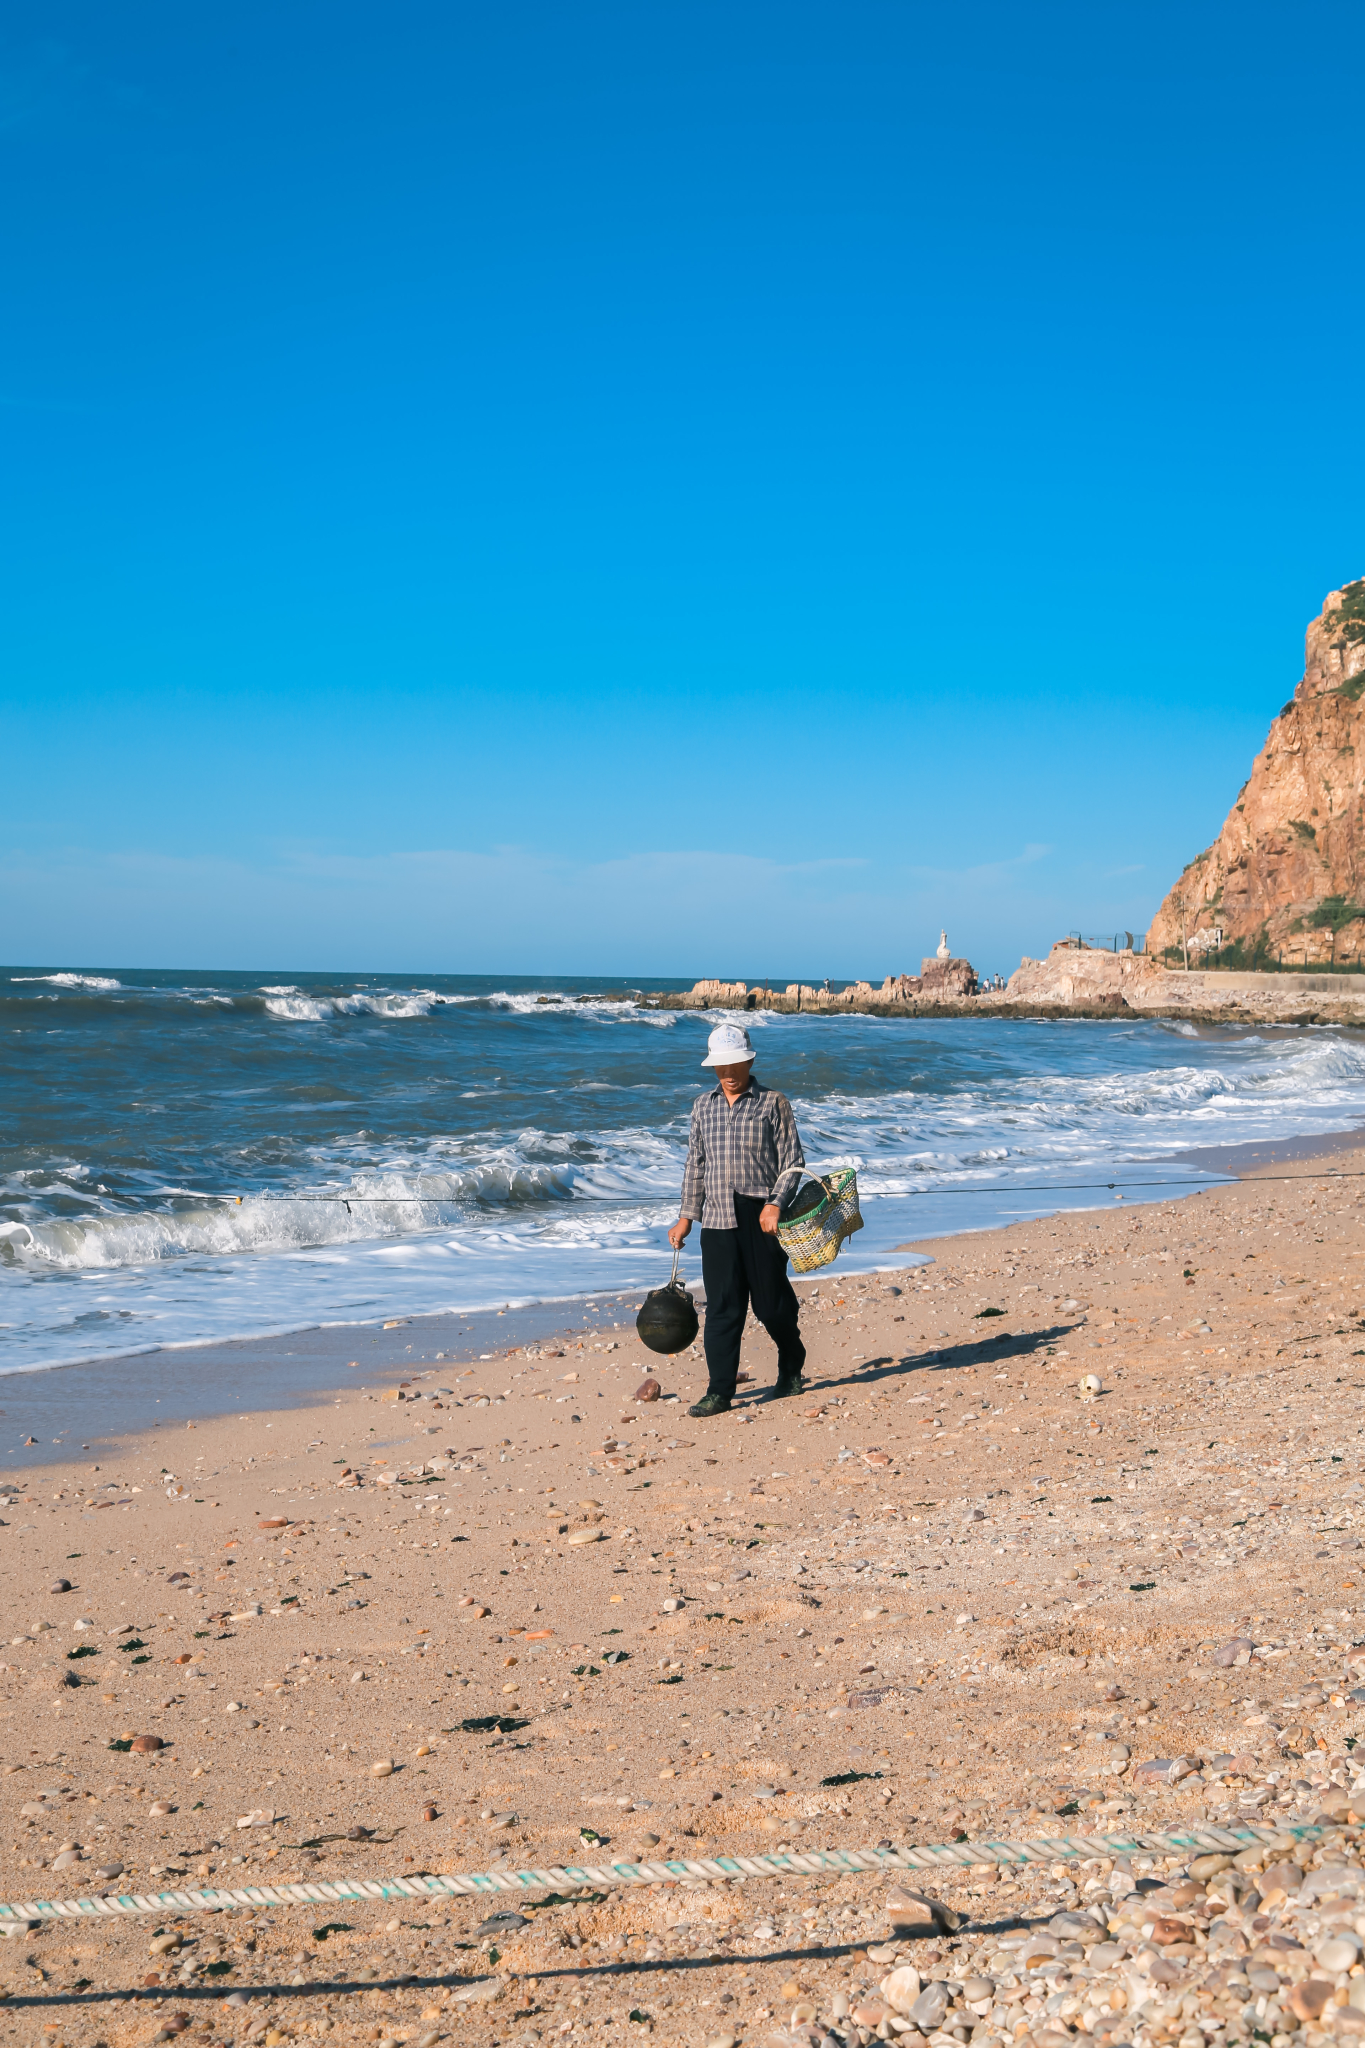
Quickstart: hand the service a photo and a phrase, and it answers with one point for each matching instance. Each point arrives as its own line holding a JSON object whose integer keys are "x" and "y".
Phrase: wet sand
{"x": 102, "y": 1402}
{"x": 1269, "y": 1155}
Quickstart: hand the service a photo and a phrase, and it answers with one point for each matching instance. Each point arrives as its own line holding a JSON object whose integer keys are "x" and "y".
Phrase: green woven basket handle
{"x": 824, "y": 1180}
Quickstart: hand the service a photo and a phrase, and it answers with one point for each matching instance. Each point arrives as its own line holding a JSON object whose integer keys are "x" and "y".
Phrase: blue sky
{"x": 670, "y": 488}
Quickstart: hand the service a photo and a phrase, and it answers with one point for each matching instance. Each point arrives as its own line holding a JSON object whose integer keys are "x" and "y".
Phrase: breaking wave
{"x": 300, "y": 1008}
{"x": 316, "y": 1003}
{"x": 97, "y": 981}
{"x": 538, "y": 1172}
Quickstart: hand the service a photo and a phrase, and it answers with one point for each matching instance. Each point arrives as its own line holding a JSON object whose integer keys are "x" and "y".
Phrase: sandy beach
{"x": 490, "y": 1608}
{"x": 617, "y": 617}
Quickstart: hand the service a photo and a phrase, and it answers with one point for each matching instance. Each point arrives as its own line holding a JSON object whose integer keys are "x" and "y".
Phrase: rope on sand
{"x": 572, "y": 1877}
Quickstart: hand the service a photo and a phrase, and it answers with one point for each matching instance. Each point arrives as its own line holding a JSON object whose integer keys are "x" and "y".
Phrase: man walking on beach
{"x": 744, "y": 1159}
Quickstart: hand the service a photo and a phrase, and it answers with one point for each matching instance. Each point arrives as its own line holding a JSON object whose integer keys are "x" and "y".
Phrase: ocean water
{"x": 189, "y": 1157}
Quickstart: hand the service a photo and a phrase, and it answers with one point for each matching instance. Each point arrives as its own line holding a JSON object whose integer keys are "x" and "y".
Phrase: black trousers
{"x": 738, "y": 1267}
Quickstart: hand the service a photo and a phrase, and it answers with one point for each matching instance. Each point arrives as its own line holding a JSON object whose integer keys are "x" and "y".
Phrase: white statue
{"x": 945, "y": 951}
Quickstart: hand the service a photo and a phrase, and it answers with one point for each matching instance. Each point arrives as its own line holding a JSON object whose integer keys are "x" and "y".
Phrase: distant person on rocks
{"x": 744, "y": 1159}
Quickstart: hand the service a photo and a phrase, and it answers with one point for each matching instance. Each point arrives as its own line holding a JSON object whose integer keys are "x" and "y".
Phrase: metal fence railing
{"x": 1109, "y": 942}
{"x": 1293, "y": 956}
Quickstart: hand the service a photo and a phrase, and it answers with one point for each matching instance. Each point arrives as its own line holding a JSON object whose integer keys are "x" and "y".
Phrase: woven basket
{"x": 813, "y": 1238}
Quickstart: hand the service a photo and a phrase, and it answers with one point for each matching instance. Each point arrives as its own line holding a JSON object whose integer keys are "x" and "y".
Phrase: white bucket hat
{"x": 728, "y": 1046}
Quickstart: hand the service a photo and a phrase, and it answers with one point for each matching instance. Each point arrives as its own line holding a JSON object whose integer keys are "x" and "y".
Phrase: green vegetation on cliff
{"x": 1346, "y": 623}
{"x": 1335, "y": 912}
{"x": 1348, "y": 618}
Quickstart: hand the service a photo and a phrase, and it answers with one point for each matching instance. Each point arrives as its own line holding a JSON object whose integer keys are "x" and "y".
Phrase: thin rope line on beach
{"x": 576, "y": 1877}
{"x": 1222, "y": 1177}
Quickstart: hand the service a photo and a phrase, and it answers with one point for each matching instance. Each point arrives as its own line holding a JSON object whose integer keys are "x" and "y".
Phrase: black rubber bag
{"x": 667, "y": 1321}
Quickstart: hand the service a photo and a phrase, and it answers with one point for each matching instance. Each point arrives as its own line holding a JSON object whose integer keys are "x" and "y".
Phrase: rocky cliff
{"x": 1285, "y": 878}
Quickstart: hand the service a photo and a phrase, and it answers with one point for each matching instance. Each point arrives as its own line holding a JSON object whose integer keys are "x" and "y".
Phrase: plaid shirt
{"x": 750, "y": 1149}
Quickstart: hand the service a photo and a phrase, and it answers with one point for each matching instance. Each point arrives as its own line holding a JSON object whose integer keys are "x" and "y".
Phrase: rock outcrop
{"x": 1285, "y": 879}
{"x": 941, "y": 979}
{"x": 722, "y": 995}
{"x": 1091, "y": 981}
{"x": 945, "y": 980}
{"x": 1084, "y": 975}
{"x": 939, "y": 982}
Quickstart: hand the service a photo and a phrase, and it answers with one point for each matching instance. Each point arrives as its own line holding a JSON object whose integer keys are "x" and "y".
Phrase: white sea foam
{"x": 96, "y": 981}
{"x": 415, "y": 1004}
{"x": 1049, "y": 1127}
{"x": 298, "y": 1009}
{"x": 600, "y": 1009}
{"x": 294, "y": 1006}
{"x": 301, "y": 1009}
{"x": 474, "y": 1184}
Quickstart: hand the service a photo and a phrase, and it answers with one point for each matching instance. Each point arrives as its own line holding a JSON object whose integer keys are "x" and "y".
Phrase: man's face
{"x": 735, "y": 1079}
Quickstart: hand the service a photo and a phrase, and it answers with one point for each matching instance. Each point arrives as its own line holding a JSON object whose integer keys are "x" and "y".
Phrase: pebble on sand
{"x": 147, "y": 1745}
{"x": 901, "y": 1988}
{"x": 60, "y": 1586}
{"x": 648, "y": 1390}
{"x": 916, "y": 1912}
{"x": 500, "y": 1923}
{"x": 1309, "y": 1999}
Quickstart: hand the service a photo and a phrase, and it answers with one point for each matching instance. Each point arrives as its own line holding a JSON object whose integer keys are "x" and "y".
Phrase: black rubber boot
{"x": 787, "y": 1383}
{"x": 710, "y": 1404}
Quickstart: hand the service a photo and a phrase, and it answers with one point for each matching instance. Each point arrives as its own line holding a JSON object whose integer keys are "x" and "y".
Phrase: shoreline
{"x": 318, "y": 1359}
{"x": 96, "y": 1403}
{"x": 1253, "y": 1161}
